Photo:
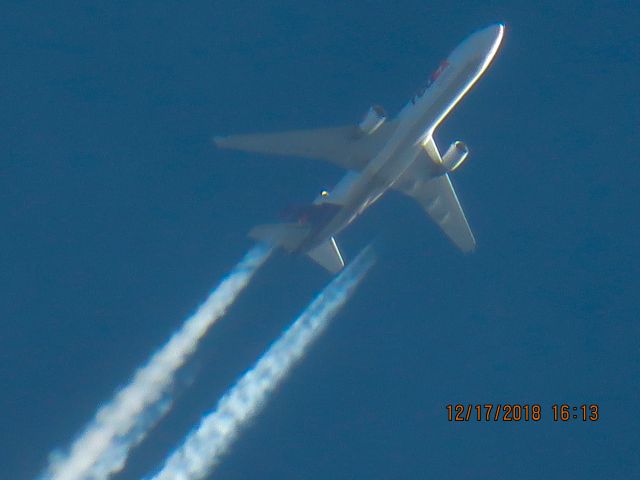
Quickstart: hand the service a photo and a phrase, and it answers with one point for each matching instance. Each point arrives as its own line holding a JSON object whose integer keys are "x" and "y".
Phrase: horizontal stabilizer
{"x": 328, "y": 256}
{"x": 286, "y": 235}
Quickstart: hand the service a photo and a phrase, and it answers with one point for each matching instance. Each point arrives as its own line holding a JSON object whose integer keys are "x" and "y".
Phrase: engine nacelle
{"x": 455, "y": 155}
{"x": 374, "y": 117}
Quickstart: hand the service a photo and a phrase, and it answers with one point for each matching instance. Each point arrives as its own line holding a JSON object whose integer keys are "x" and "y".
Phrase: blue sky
{"x": 119, "y": 216}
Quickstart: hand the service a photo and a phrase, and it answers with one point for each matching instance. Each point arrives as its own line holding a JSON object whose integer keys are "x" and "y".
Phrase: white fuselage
{"x": 416, "y": 123}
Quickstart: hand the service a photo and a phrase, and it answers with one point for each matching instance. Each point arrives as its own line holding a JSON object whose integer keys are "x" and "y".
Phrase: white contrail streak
{"x": 206, "y": 444}
{"x": 102, "y": 448}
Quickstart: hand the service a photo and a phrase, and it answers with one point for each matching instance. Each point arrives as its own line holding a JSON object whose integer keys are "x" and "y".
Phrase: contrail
{"x": 102, "y": 448}
{"x": 204, "y": 447}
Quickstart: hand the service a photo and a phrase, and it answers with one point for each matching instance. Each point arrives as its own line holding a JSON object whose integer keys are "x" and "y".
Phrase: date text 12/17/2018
{"x": 516, "y": 412}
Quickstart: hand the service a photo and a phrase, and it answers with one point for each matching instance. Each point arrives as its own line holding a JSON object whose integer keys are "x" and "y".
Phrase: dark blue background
{"x": 118, "y": 216}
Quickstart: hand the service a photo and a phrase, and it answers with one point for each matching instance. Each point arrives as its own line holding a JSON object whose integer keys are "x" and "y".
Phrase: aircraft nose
{"x": 480, "y": 46}
{"x": 489, "y": 38}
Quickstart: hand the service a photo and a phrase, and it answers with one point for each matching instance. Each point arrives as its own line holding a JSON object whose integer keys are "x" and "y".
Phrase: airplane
{"x": 379, "y": 155}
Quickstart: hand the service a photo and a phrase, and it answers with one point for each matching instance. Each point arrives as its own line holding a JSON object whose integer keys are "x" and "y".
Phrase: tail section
{"x": 328, "y": 256}
{"x": 291, "y": 235}
{"x": 286, "y": 235}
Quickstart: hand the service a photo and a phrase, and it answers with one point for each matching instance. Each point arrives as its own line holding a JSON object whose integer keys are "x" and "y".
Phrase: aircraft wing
{"x": 440, "y": 201}
{"x": 346, "y": 147}
{"x": 434, "y": 192}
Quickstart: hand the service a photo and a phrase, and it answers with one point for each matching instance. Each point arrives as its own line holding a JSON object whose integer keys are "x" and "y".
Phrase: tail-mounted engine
{"x": 374, "y": 117}
{"x": 455, "y": 155}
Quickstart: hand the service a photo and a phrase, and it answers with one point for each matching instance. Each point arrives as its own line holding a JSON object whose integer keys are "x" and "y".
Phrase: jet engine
{"x": 374, "y": 117}
{"x": 455, "y": 155}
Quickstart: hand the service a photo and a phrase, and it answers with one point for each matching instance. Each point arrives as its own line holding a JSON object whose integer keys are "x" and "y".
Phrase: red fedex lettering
{"x": 443, "y": 66}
